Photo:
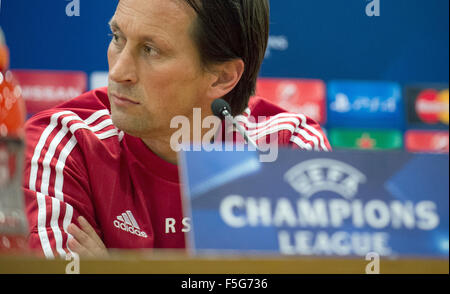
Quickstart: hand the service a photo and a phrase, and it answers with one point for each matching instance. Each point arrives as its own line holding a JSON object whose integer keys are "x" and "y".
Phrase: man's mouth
{"x": 122, "y": 100}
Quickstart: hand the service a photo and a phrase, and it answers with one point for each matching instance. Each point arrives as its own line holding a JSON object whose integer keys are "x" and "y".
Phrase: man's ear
{"x": 226, "y": 76}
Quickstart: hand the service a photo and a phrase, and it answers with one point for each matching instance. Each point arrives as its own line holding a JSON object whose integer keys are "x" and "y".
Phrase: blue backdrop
{"x": 326, "y": 39}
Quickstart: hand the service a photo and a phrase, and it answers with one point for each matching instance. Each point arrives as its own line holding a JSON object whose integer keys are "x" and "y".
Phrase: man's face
{"x": 155, "y": 70}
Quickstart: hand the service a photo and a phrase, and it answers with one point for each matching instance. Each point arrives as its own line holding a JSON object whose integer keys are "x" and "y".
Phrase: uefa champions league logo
{"x": 316, "y": 175}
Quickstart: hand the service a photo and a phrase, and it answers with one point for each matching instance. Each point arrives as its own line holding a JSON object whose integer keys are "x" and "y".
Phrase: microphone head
{"x": 219, "y": 106}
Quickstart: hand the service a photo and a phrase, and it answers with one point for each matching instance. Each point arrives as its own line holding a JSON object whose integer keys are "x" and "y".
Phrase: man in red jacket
{"x": 100, "y": 171}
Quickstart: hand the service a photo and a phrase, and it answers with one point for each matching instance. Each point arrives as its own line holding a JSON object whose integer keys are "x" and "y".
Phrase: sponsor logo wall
{"x": 427, "y": 118}
{"x": 427, "y": 106}
{"x": 370, "y": 115}
{"x": 42, "y": 89}
{"x": 296, "y": 95}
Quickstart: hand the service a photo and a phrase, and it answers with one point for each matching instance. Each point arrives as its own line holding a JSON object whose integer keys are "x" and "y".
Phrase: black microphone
{"x": 222, "y": 110}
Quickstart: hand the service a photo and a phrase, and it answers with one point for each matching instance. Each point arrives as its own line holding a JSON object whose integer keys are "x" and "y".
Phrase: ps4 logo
{"x": 373, "y": 8}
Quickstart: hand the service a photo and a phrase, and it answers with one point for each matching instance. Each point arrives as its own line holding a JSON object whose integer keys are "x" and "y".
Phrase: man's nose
{"x": 124, "y": 68}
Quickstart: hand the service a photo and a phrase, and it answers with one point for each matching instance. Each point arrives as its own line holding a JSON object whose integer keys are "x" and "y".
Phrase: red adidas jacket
{"x": 78, "y": 163}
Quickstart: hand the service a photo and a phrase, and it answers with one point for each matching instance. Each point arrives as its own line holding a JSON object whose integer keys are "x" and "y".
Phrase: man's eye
{"x": 115, "y": 37}
{"x": 149, "y": 50}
